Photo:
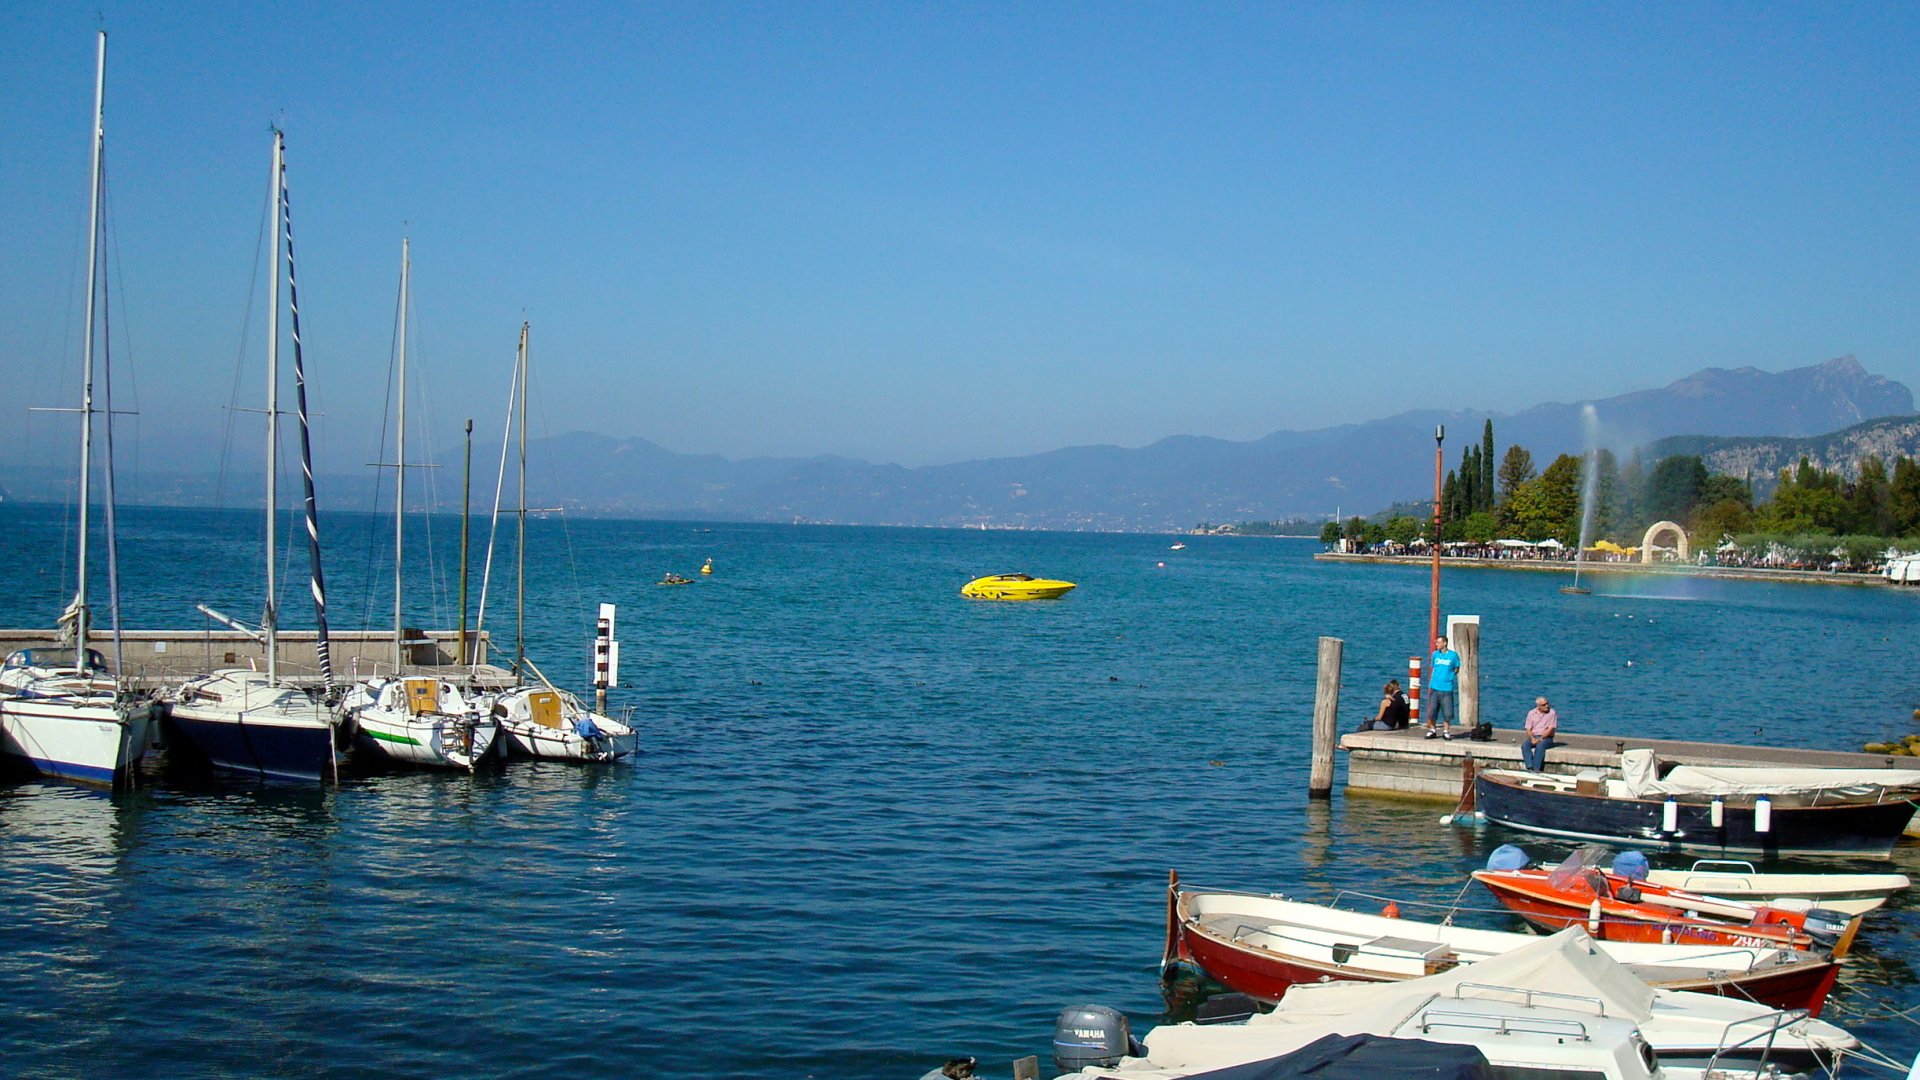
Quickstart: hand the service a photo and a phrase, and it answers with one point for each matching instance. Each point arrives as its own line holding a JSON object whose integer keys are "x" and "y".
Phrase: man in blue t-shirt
{"x": 1441, "y": 702}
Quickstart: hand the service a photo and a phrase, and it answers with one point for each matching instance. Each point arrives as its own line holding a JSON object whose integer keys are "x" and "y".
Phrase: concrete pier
{"x": 158, "y": 658}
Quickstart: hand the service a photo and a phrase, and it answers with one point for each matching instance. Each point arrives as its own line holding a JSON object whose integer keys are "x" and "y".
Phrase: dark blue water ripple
{"x": 874, "y": 824}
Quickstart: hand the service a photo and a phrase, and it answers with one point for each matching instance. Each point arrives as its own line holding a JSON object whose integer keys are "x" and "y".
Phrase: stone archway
{"x": 1660, "y": 528}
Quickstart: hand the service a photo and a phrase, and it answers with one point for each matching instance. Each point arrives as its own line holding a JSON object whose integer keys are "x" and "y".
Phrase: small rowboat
{"x": 1260, "y": 945}
{"x": 1853, "y": 894}
{"x": 1616, "y": 908}
{"x": 1015, "y": 587}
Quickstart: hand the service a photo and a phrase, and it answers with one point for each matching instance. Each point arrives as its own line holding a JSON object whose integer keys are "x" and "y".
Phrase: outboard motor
{"x": 1826, "y": 925}
{"x": 1090, "y": 1035}
{"x": 1508, "y": 857}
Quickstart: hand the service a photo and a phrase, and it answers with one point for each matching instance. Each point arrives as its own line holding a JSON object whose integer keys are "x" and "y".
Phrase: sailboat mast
{"x": 270, "y": 618}
{"x": 466, "y": 510}
{"x": 520, "y": 607}
{"x": 400, "y": 474}
{"x": 81, "y": 617}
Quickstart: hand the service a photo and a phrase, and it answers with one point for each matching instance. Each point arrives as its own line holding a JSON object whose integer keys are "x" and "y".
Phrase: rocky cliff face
{"x": 1762, "y": 460}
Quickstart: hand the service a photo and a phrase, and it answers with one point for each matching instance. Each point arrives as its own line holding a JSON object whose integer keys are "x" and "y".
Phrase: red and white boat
{"x": 1260, "y": 945}
{"x": 1615, "y": 907}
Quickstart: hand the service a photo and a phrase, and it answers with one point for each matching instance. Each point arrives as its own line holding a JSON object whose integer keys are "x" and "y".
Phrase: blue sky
{"x": 924, "y": 233}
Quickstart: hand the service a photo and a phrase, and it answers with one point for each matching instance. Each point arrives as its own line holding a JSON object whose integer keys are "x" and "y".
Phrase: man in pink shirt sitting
{"x": 1541, "y": 723}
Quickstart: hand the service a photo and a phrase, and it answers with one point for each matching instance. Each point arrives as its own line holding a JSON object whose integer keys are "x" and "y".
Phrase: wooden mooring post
{"x": 1326, "y": 718}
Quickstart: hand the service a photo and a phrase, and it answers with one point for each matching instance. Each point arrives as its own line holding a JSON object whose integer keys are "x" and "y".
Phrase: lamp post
{"x": 1433, "y": 610}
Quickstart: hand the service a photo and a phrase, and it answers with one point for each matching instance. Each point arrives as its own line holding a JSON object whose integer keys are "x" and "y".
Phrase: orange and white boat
{"x": 1617, "y": 907}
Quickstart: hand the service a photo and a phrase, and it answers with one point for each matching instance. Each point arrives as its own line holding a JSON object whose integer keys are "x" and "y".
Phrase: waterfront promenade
{"x": 1600, "y": 569}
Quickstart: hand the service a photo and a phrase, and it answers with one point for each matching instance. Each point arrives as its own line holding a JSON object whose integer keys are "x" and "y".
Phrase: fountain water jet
{"x": 1589, "y": 482}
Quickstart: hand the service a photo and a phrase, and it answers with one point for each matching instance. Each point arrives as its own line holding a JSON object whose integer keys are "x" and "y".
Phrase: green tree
{"x": 1330, "y": 533}
{"x": 1515, "y": 469}
{"x": 1548, "y": 506}
{"x": 1485, "y": 488}
{"x": 1675, "y": 486}
{"x": 1871, "y": 502}
{"x": 1903, "y": 498}
{"x": 1402, "y": 529}
{"x": 1479, "y": 527}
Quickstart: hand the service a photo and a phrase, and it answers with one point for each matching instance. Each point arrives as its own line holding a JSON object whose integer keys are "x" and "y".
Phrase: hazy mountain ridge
{"x": 1170, "y": 484}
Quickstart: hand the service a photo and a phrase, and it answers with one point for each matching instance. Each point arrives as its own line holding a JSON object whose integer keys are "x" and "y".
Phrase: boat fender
{"x": 1763, "y": 814}
{"x": 1719, "y": 812}
{"x": 1391, "y": 911}
{"x": 1508, "y": 857}
{"x": 1090, "y": 1035}
{"x": 1593, "y": 917}
{"x": 1670, "y": 816}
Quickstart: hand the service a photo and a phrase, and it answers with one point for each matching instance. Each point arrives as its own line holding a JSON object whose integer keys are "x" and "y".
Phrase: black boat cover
{"x": 1363, "y": 1057}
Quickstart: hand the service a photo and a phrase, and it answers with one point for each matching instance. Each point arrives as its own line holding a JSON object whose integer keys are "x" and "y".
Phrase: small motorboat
{"x": 1715, "y": 811}
{"x": 1178, "y": 545}
{"x": 545, "y": 722}
{"x": 1015, "y": 587}
{"x": 1617, "y": 906}
{"x": 1261, "y": 945}
{"x": 1854, "y": 894}
{"x": 1531, "y": 1008}
{"x": 674, "y": 579}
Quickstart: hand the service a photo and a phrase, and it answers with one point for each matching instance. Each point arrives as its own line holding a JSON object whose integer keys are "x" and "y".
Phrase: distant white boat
{"x": 1178, "y": 545}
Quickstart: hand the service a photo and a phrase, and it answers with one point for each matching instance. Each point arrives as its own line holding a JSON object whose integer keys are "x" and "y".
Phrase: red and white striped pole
{"x": 1413, "y": 690}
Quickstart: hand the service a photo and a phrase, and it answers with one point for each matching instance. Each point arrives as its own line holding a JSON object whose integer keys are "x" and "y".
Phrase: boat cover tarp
{"x": 1640, "y": 770}
{"x": 1362, "y": 1057}
{"x": 1565, "y": 960}
{"x": 1310, "y": 1011}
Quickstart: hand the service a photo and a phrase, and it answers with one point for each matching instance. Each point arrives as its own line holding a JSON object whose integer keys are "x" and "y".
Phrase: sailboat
{"x": 415, "y": 720}
{"x": 76, "y": 720}
{"x": 240, "y": 719}
{"x": 540, "y": 720}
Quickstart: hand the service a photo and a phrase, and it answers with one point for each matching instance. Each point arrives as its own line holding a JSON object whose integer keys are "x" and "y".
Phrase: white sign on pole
{"x": 606, "y": 651}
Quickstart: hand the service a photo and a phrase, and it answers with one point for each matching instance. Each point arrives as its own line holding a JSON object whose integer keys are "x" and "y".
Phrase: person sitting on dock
{"x": 1541, "y": 723}
{"x": 1441, "y": 702}
{"x": 1393, "y": 712}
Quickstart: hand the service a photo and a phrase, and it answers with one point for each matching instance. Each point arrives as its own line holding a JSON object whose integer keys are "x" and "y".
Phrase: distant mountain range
{"x": 1749, "y": 421}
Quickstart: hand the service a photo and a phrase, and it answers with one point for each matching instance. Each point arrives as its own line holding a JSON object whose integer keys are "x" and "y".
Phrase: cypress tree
{"x": 1486, "y": 469}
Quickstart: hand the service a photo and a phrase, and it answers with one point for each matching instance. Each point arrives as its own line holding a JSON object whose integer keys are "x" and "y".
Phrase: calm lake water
{"x": 873, "y": 825}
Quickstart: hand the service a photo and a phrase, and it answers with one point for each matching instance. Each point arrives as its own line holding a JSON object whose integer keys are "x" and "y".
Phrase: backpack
{"x": 1482, "y": 731}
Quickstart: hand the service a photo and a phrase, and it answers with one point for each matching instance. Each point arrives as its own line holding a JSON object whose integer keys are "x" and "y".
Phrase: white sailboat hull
{"x": 95, "y": 741}
{"x": 526, "y": 739}
{"x": 436, "y": 741}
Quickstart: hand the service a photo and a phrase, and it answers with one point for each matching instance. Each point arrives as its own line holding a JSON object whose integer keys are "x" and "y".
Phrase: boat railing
{"x": 1772, "y": 1024}
{"x": 1501, "y": 1024}
{"x": 1530, "y": 997}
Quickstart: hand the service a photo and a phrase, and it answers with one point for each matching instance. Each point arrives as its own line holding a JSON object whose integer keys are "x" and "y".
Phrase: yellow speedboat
{"x": 1015, "y": 587}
